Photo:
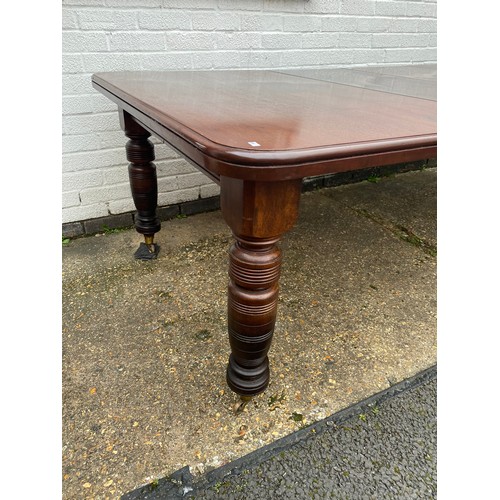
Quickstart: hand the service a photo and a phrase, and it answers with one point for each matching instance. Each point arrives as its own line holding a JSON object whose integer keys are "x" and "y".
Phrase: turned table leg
{"x": 258, "y": 213}
{"x": 143, "y": 183}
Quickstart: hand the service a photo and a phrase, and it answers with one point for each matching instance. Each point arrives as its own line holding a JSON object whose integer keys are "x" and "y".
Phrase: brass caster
{"x": 148, "y": 240}
{"x": 241, "y": 404}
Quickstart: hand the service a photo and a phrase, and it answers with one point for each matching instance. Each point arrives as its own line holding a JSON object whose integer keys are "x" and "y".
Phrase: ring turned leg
{"x": 258, "y": 214}
{"x": 143, "y": 183}
{"x": 254, "y": 270}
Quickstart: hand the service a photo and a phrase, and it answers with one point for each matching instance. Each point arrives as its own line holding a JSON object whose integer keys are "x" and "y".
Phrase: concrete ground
{"x": 145, "y": 346}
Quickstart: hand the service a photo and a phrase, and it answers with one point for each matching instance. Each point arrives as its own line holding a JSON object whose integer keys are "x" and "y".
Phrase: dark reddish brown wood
{"x": 143, "y": 181}
{"x": 250, "y": 124}
{"x": 258, "y": 214}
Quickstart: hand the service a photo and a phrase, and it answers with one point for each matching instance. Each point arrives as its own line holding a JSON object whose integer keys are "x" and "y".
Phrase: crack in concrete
{"x": 399, "y": 230}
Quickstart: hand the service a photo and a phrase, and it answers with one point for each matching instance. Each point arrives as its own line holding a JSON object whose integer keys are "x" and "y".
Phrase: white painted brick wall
{"x": 107, "y": 35}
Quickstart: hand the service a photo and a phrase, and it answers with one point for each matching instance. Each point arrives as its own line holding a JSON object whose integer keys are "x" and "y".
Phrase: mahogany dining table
{"x": 258, "y": 134}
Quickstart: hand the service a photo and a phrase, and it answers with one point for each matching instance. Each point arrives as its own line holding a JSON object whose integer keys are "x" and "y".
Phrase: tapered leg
{"x": 258, "y": 213}
{"x": 143, "y": 183}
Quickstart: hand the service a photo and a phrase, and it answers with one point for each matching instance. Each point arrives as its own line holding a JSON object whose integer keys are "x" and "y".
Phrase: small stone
{"x": 108, "y": 483}
{"x": 86, "y": 485}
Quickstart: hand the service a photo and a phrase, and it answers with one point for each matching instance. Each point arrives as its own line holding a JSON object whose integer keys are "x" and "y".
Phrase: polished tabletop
{"x": 284, "y": 117}
{"x": 414, "y": 81}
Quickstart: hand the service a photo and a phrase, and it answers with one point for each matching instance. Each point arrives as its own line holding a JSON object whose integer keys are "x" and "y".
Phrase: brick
{"x": 427, "y": 25}
{"x": 391, "y": 8}
{"x": 112, "y": 139}
{"x": 80, "y": 143}
{"x": 73, "y": 181}
{"x": 261, "y": 22}
{"x": 190, "y": 4}
{"x": 372, "y": 24}
{"x": 88, "y": 160}
{"x": 225, "y": 60}
{"x": 180, "y": 196}
{"x": 100, "y": 224}
{"x": 86, "y": 3}
{"x": 410, "y": 55}
{"x": 240, "y": 4}
{"x": 283, "y": 5}
{"x": 76, "y": 84}
{"x": 209, "y": 190}
{"x": 95, "y": 63}
{"x": 215, "y": 21}
{"x": 302, "y": 23}
{"x": 107, "y": 20}
{"x": 71, "y": 199}
{"x": 77, "y": 104}
{"x": 281, "y": 41}
{"x": 103, "y": 194}
{"x": 359, "y": 7}
{"x": 339, "y": 56}
{"x": 261, "y": 59}
{"x": 166, "y": 213}
{"x": 399, "y": 55}
{"x": 421, "y": 10}
{"x": 164, "y": 152}
{"x": 389, "y": 40}
{"x": 121, "y": 206}
{"x": 202, "y": 60}
{"x": 402, "y": 25}
{"x": 101, "y": 104}
{"x": 136, "y": 41}
{"x": 74, "y": 41}
{"x": 322, "y": 6}
{"x": 339, "y": 23}
{"x": 72, "y": 230}
{"x": 69, "y": 19}
{"x": 168, "y": 183}
{"x": 316, "y": 57}
{"x": 320, "y": 40}
{"x": 165, "y": 61}
{"x": 312, "y": 183}
{"x": 149, "y": 4}
{"x": 82, "y": 213}
{"x": 368, "y": 56}
{"x": 72, "y": 63}
{"x": 355, "y": 40}
{"x": 115, "y": 175}
{"x": 191, "y": 180}
{"x": 201, "y": 205}
{"x": 190, "y": 41}
{"x": 239, "y": 40}
{"x": 85, "y": 124}
{"x": 153, "y": 19}
{"x": 178, "y": 166}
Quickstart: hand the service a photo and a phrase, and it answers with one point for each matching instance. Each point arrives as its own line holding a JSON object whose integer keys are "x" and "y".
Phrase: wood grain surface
{"x": 267, "y": 118}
